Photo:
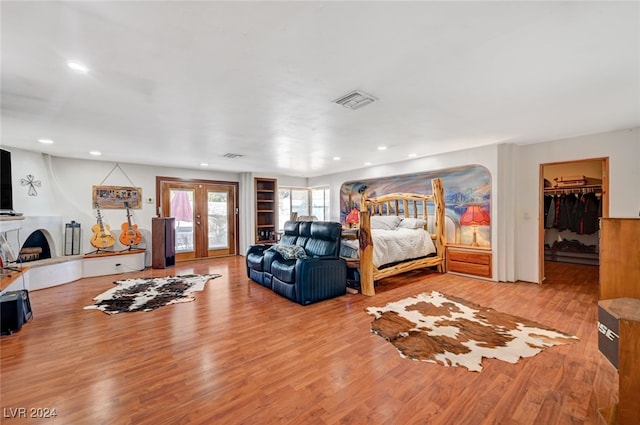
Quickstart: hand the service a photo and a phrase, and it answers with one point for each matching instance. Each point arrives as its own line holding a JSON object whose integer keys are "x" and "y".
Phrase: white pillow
{"x": 385, "y": 222}
{"x": 412, "y": 223}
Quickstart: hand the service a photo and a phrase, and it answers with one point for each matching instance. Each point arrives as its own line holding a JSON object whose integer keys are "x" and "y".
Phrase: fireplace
{"x": 34, "y": 238}
{"x": 36, "y": 247}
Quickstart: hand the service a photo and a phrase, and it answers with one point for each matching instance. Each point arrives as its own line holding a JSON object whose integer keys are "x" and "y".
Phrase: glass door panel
{"x": 181, "y": 207}
{"x": 218, "y": 218}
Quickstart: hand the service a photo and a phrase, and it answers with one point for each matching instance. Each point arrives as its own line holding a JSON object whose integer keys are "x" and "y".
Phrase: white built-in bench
{"x": 50, "y": 272}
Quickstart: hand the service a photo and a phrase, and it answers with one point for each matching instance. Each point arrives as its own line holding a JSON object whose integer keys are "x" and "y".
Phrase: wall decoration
{"x": 114, "y": 197}
{"x": 32, "y": 183}
{"x": 463, "y": 186}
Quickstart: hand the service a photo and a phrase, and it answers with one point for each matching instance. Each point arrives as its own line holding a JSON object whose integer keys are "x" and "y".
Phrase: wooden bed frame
{"x": 389, "y": 205}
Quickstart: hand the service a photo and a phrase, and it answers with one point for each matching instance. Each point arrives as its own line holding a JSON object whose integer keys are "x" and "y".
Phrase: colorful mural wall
{"x": 466, "y": 189}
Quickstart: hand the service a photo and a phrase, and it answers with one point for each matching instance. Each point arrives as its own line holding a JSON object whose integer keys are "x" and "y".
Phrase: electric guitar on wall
{"x": 102, "y": 237}
{"x": 130, "y": 234}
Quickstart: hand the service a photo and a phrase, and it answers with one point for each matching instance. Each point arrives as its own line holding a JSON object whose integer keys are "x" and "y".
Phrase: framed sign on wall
{"x": 114, "y": 197}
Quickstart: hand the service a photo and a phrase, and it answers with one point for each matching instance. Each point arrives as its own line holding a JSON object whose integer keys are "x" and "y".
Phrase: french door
{"x": 205, "y": 215}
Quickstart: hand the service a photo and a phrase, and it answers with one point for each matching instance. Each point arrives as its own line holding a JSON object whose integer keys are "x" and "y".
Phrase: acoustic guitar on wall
{"x": 130, "y": 234}
{"x": 102, "y": 237}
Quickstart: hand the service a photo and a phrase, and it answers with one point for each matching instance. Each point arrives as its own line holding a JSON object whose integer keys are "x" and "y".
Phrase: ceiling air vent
{"x": 356, "y": 99}
{"x": 232, "y": 155}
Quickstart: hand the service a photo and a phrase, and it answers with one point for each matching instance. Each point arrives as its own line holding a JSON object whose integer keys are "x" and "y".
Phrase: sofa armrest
{"x": 320, "y": 278}
{"x": 258, "y": 248}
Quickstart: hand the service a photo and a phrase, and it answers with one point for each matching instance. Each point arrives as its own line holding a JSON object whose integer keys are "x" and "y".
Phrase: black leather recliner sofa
{"x": 319, "y": 276}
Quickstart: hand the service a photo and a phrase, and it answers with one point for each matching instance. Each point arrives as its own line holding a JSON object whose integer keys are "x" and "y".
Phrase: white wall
{"x": 22, "y": 164}
{"x": 66, "y": 191}
{"x": 515, "y": 188}
{"x": 486, "y": 156}
{"x": 623, "y": 150}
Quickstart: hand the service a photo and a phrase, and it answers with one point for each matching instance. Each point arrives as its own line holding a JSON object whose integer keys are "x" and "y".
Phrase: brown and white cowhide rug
{"x": 150, "y": 293}
{"x": 437, "y": 328}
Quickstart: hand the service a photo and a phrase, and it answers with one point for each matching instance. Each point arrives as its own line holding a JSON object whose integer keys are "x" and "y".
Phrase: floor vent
{"x": 232, "y": 155}
{"x": 356, "y": 99}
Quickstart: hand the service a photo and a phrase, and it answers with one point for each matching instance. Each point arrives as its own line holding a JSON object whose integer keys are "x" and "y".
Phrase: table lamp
{"x": 475, "y": 216}
{"x": 353, "y": 218}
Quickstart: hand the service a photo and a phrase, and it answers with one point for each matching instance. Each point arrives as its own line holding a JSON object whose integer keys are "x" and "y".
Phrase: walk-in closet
{"x": 574, "y": 199}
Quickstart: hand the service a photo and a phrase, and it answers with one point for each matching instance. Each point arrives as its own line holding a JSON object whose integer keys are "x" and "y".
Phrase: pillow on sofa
{"x": 412, "y": 223}
{"x": 289, "y": 252}
{"x": 385, "y": 222}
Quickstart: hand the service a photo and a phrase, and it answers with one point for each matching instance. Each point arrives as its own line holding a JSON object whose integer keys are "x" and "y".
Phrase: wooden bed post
{"x": 439, "y": 222}
{"x": 368, "y": 271}
{"x": 366, "y": 250}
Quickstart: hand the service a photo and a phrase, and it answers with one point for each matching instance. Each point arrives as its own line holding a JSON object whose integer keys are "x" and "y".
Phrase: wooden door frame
{"x": 605, "y": 203}
{"x": 160, "y": 180}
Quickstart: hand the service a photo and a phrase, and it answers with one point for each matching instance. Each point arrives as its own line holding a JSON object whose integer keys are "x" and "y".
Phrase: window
{"x": 303, "y": 201}
{"x": 320, "y": 203}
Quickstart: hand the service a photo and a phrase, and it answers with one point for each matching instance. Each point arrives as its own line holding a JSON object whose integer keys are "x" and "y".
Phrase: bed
{"x": 396, "y": 235}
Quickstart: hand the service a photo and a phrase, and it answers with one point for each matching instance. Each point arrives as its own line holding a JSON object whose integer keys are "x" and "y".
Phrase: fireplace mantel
{"x": 10, "y": 222}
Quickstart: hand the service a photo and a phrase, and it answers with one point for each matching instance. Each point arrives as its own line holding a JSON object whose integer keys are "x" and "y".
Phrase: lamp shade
{"x": 475, "y": 216}
{"x": 353, "y": 217}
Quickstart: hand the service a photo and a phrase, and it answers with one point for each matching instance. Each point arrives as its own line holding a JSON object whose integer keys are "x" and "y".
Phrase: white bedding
{"x": 390, "y": 246}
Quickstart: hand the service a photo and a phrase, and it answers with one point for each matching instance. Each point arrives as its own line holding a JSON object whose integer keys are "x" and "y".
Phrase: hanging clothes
{"x": 590, "y": 213}
{"x": 578, "y": 213}
{"x": 549, "y": 211}
{"x": 567, "y": 212}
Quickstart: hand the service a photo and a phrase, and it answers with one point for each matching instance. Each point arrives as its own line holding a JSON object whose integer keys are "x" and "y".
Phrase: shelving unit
{"x": 266, "y": 210}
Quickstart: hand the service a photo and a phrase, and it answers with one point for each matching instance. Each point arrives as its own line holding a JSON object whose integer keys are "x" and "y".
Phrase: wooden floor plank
{"x": 242, "y": 354}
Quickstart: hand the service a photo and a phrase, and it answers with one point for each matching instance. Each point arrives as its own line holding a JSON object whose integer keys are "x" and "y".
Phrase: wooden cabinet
{"x": 163, "y": 242}
{"x": 266, "y": 210}
{"x": 619, "y": 258}
{"x": 469, "y": 260}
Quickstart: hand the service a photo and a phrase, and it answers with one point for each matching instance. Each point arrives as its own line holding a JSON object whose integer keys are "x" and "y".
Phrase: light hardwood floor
{"x": 240, "y": 354}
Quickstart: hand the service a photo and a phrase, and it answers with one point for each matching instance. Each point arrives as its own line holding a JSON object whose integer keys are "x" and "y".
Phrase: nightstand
{"x": 350, "y": 233}
{"x": 353, "y": 264}
{"x": 469, "y": 260}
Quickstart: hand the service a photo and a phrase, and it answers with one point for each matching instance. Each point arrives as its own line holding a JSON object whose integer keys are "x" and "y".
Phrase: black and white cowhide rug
{"x": 437, "y": 328}
{"x": 150, "y": 293}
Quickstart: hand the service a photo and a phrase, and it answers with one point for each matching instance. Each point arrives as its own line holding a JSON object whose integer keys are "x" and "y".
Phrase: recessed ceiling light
{"x": 382, "y": 148}
{"x": 78, "y": 67}
{"x": 367, "y": 163}
{"x": 336, "y": 158}
{"x": 95, "y": 153}
{"x": 412, "y": 155}
{"x": 45, "y": 141}
{"x": 204, "y": 164}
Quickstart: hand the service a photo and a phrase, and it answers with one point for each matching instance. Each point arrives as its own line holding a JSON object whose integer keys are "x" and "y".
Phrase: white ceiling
{"x": 180, "y": 83}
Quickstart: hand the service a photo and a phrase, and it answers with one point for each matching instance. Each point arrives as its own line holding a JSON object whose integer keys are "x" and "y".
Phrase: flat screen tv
{"x": 6, "y": 189}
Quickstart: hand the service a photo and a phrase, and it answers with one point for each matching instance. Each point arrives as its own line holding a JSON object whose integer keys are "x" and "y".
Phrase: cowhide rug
{"x": 150, "y": 293}
{"x": 437, "y": 328}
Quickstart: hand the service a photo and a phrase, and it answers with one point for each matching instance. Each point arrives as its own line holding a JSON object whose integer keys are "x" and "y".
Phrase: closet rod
{"x": 567, "y": 190}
